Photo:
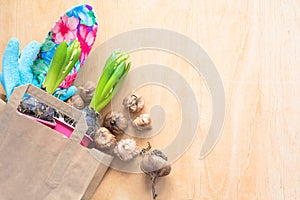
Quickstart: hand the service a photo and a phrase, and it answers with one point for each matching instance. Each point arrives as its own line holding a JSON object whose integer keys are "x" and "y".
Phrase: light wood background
{"x": 255, "y": 46}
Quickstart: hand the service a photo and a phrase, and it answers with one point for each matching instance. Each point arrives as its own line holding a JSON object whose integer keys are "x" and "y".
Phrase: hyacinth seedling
{"x": 62, "y": 63}
{"x": 113, "y": 74}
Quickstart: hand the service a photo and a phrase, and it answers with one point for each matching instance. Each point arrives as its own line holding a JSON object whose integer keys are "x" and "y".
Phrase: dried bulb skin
{"x": 104, "y": 140}
{"x": 142, "y": 122}
{"x": 87, "y": 91}
{"x": 115, "y": 122}
{"x": 77, "y": 102}
{"x": 126, "y": 149}
{"x": 155, "y": 163}
{"x": 134, "y": 103}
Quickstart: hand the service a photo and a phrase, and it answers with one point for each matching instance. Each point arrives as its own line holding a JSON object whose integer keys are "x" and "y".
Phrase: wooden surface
{"x": 255, "y": 46}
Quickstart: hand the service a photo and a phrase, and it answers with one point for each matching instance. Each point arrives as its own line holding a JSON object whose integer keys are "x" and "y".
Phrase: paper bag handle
{"x": 42, "y": 96}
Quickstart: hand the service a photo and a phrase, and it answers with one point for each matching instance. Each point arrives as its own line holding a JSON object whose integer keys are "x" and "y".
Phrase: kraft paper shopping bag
{"x": 37, "y": 162}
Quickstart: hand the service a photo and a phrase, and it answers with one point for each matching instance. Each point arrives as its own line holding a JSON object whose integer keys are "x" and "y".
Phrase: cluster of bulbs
{"x": 153, "y": 163}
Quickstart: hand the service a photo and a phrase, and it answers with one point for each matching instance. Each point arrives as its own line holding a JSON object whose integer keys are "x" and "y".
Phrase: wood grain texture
{"x": 255, "y": 46}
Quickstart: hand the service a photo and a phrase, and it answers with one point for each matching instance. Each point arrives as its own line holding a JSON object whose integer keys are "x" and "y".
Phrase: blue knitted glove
{"x": 16, "y": 71}
{"x": 64, "y": 94}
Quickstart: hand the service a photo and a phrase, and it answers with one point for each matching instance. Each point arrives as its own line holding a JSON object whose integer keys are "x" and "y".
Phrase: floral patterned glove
{"x": 78, "y": 23}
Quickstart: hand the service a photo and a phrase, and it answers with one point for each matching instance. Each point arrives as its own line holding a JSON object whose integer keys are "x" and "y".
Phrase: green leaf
{"x": 100, "y": 106}
{"x": 113, "y": 79}
{"x": 106, "y": 73}
{"x": 55, "y": 67}
{"x": 121, "y": 58}
{"x": 72, "y": 59}
{"x": 110, "y": 60}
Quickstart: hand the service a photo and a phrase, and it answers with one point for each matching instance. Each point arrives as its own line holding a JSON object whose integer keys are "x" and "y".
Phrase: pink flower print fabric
{"x": 86, "y": 39}
{"x": 65, "y": 29}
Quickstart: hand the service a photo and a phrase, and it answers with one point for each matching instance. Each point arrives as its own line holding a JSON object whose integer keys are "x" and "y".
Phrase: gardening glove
{"x": 64, "y": 94}
{"x": 78, "y": 23}
{"x": 16, "y": 69}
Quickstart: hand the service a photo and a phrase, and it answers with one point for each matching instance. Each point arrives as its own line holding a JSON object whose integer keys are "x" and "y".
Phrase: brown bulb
{"x": 155, "y": 164}
{"x": 104, "y": 140}
{"x": 142, "y": 122}
{"x": 87, "y": 91}
{"x": 77, "y": 102}
{"x": 115, "y": 122}
{"x": 126, "y": 149}
{"x": 134, "y": 103}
